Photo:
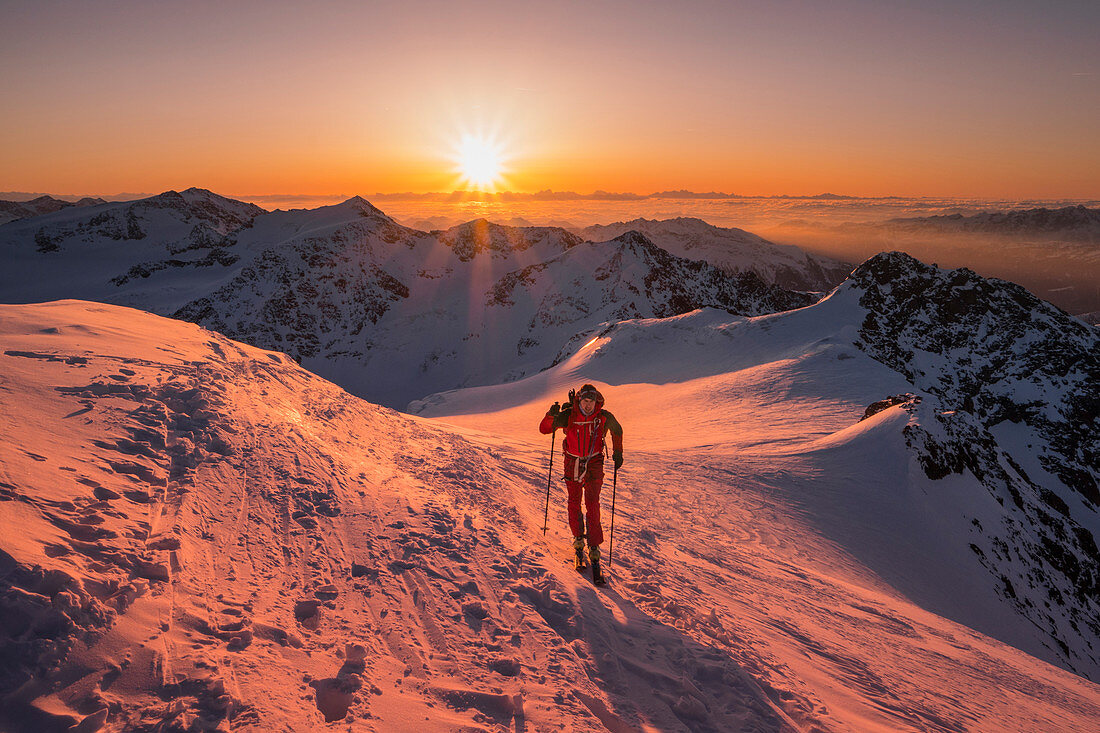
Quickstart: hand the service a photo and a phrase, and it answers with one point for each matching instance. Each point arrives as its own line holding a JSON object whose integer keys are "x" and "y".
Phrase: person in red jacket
{"x": 586, "y": 424}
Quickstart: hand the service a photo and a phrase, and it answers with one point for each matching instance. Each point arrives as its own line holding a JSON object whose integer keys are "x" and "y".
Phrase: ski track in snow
{"x": 238, "y": 544}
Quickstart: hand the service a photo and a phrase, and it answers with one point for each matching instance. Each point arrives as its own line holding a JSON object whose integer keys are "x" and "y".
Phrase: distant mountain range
{"x": 1053, "y": 252}
{"x": 13, "y": 210}
{"x": 1071, "y": 223}
{"x": 361, "y": 299}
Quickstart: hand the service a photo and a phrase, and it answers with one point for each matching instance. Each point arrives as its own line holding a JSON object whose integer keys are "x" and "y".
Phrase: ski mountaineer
{"x": 586, "y": 424}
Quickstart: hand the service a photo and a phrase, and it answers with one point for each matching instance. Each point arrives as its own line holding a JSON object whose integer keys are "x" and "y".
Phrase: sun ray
{"x": 480, "y": 161}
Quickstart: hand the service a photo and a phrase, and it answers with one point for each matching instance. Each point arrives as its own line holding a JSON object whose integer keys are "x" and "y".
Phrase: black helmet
{"x": 588, "y": 392}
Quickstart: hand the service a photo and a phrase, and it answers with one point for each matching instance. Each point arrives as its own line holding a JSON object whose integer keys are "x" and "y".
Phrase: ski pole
{"x": 549, "y": 478}
{"x": 611, "y": 544}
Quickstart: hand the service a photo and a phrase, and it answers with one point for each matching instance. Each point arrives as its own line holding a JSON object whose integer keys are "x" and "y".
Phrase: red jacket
{"x": 584, "y": 434}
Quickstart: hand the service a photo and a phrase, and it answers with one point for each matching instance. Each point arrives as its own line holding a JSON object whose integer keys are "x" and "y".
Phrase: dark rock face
{"x": 648, "y": 282}
{"x": 1014, "y": 387}
{"x": 899, "y": 399}
{"x": 301, "y": 297}
{"x": 993, "y": 349}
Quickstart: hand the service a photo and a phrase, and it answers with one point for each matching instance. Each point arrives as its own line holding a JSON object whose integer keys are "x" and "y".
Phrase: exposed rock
{"x": 1012, "y": 388}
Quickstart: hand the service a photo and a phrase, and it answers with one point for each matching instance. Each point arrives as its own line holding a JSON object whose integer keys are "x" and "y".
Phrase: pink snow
{"x": 231, "y": 542}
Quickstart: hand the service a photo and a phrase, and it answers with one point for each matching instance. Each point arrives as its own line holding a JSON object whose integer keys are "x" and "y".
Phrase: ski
{"x": 597, "y": 575}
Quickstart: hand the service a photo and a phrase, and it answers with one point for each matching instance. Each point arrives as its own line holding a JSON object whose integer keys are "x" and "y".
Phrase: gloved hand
{"x": 567, "y": 407}
{"x": 554, "y": 410}
{"x": 617, "y": 459}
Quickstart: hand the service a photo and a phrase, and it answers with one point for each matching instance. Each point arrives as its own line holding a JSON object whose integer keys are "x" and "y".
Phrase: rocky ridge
{"x": 733, "y": 250}
{"x": 1012, "y": 395}
{"x": 358, "y": 297}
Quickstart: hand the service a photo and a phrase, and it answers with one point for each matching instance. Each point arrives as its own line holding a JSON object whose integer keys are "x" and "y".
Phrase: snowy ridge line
{"x": 392, "y": 313}
{"x": 733, "y": 250}
{"x": 14, "y": 210}
{"x": 997, "y": 459}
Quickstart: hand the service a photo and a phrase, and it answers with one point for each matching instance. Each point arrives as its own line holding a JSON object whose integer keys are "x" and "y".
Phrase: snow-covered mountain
{"x": 362, "y": 300}
{"x": 148, "y": 252}
{"x": 985, "y": 468}
{"x": 197, "y": 534}
{"x": 1015, "y": 384}
{"x": 458, "y": 308}
{"x": 13, "y": 210}
{"x": 733, "y": 249}
{"x": 1069, "y": 223}
{"x": 179, "y": 221}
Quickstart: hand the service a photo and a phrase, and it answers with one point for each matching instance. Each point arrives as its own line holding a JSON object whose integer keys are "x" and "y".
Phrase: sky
{"x": 996, "y": 99}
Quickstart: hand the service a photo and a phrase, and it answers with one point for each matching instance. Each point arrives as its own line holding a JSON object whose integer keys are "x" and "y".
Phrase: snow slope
{"x": 201, "y": 535}
{"x": 998, "y": 455}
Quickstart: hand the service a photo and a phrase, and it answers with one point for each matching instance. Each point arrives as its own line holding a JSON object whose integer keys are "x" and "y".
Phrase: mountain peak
{"x": 365, "y": 206}
{"x": 634, "y": 237}
{"x": 479, "y": 223}
{"x": 887, "y": 266}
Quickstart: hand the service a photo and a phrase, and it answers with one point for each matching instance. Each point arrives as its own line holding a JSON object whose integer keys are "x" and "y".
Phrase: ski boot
{"x": 597, "y": 574}
{"x": 579, "y": 561}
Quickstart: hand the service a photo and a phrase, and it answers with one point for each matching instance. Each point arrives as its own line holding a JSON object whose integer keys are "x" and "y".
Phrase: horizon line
{"x": 475, "y": 195}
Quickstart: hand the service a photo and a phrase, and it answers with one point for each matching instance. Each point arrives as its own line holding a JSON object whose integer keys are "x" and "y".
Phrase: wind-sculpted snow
{"x": 1016, "y": 387}
{"x": 199, "y": 535}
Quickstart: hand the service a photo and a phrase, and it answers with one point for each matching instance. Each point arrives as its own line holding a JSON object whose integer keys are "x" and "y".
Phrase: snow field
{"x": 237, "y": 543}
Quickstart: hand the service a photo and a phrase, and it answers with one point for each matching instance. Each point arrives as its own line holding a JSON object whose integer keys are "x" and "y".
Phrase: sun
{"x": 480, "y": 161}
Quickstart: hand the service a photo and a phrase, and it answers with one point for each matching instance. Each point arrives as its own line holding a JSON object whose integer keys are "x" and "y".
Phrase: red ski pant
{"x": 589, "y": 488}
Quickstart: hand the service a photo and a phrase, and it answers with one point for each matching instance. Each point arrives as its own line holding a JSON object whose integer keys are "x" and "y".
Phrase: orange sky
{"x": 994, "y": 99}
